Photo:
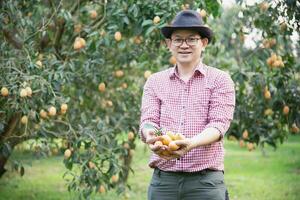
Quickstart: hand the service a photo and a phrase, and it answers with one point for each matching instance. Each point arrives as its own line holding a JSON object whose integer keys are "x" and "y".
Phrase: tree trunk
{"x": 3, "y": 160}
{"x": 8, "y": 132}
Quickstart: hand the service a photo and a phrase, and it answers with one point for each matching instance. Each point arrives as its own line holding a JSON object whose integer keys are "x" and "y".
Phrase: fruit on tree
{"x": 130, "y": 135}
{"x": 4, "y": 91}
{"x": 67, "y": 153}
{"x": 147, "y": 74}
{"x": 114, "y": 178}
{"x": 79, "y": 43}
{"x": 156, "y": 20}
{"x": 286, "y": 110}
{"x": 43, "y": 114}
{"x": 93, "y": 14}
{"x": 118, "y": 36}
{"x": 101, "y": 87}
{"x": 24, "y": 119}
{"x": 52, "y": 111}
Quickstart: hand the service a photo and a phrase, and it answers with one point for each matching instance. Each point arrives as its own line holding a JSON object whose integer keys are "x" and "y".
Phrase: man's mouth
{"x": 185, "y": 52}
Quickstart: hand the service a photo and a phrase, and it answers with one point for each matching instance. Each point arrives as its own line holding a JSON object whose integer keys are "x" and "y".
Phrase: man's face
{"x": 186, "y": 46}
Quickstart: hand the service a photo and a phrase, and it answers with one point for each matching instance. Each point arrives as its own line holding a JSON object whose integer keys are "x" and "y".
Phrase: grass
{"x": 248, "y": 175}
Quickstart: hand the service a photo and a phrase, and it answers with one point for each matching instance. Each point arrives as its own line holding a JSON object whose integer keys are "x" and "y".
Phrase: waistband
{"x": 182, "y": 173}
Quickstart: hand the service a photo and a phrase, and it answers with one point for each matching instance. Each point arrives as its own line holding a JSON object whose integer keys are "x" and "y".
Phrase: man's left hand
{"x": 184, "y": 147}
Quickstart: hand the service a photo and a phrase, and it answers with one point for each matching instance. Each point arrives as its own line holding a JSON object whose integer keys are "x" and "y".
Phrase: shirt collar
{"x": 198, "y": 70}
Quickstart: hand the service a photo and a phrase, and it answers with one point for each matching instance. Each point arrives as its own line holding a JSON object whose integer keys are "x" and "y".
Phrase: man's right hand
{"x": 151, "y": 138}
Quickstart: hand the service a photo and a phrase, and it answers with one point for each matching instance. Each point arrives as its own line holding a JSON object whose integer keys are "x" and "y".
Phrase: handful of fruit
{"x": 169, "y": 140}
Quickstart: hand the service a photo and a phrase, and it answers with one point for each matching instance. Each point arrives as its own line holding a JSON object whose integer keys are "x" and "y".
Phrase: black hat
{"x": 188, "y": 20}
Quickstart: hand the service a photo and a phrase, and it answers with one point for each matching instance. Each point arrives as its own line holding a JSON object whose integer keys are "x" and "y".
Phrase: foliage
{"x": 75, "y": 71}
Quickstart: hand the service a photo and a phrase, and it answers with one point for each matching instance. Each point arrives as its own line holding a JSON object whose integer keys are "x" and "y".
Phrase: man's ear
{"x": 168, "y": 42}
{"x": 204, "y": 42}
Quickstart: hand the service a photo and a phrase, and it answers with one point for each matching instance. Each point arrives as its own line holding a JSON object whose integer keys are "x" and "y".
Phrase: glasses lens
{"x": 177, "y": 42}
{"x": 192, "y": 41}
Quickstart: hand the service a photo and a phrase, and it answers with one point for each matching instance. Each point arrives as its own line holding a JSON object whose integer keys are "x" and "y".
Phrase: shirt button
{"x": 185, "y": 90}
{"x": 183, "y": 107}
{"x": 181, "y": 123}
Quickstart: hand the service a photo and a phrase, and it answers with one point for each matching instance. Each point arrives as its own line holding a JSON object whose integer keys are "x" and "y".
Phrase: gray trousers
{"x": 204, "y": 185}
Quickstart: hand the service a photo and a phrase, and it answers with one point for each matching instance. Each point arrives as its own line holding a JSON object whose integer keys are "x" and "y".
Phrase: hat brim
{"x": 204, "y": 31}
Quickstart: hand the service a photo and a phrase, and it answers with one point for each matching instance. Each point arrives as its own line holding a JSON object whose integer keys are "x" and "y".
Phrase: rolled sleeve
{"x": 150, "y": 108}
{"x": 222, "y": 104}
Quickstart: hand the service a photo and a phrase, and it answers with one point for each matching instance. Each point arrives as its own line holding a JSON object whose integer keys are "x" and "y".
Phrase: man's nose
{"x": 184, "y": 44}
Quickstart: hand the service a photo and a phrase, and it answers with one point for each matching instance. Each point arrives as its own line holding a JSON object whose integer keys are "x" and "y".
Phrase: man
{"x": 195, "y": 100}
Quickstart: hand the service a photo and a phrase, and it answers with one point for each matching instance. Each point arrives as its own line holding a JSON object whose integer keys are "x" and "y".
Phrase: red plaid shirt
{"x": 206, "y": 100}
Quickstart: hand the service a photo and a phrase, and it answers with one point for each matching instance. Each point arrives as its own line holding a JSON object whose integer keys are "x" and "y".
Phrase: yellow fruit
{"x": 118, "y": 36}
{"x": 130, "y": 135}
{"x": 286, "y": 110}
{"x": 124, "y": 85}
{"x": 119, "y": 73}
{"x": 109, "y": 103}
{"x": 250, "y": 146}
{"x": 102, "y": 33}
{"x": 64, "y": 107}
{"x": 29, "y": 91}
{"x": 179, "y": 136}
{"x": 232, "y": 138}
{"x": 114, "y": 179}
{"x": 267, "y": 94}
{"x": 166, "y": 139}
{"x": 39, "y": 63}
{"x": 137, "y": 39}
{"x": 43, "y": 114}
{"x": 272, "y": 41}
{"x": 158, "y": 143}
{"x": 171, "y": 135}
{"x": 4, "y": 91}
{"x": 77, "y": 28}
{"x": 92, "y": 165}
{"x": 268, "y": 111}
{"x": 101, "y": 189}
{"x": 270, "y": 62}
{"x": 295, "y": 128}
{"x": 203, "y": 13}
{"x": 172, "y": 60}
{"x": 67, "y": 153}
{"x": 23, "y": 93}
{"x": 242, "y": 143}
{"x": 264, "y": 6}
{"x": 52, "y": 111}
{"x": 126, "y": 145}
{"x": 24, "y": 119}
{"x": 156, "y": 20}
{"x": 93, "y": 14}
{"x": 79, "y": 43}
{"x": 147, "y": 74}
{"x": 245, "y": 134}
{"x": 40, "y": 56}
{"x": 277, "y": 63}
{"x": 173, "y": 146}
{"x": 101, "y": 87}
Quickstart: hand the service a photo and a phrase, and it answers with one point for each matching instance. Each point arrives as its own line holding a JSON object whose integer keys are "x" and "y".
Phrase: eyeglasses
{"x": 189, "y": 41}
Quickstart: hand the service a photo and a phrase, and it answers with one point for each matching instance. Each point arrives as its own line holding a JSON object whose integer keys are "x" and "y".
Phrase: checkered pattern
{"x": 206, "y": 100}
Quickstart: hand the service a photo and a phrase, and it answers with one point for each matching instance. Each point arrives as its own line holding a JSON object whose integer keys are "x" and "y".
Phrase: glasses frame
{"x": 185, "y": 40}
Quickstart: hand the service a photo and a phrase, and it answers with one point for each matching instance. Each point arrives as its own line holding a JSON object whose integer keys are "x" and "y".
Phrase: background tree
{"x": 75, "y": 72}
